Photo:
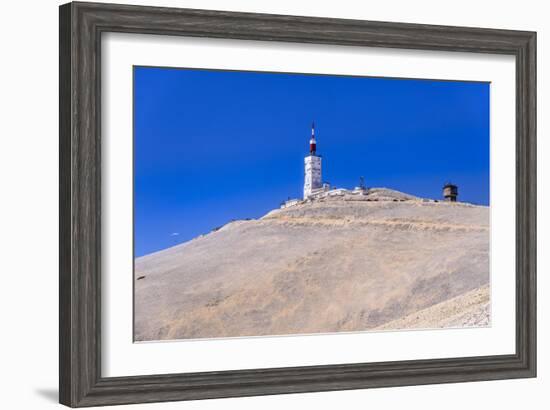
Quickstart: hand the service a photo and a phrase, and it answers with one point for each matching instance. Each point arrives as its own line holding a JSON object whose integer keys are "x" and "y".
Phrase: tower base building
{"x": 312, "y": 180}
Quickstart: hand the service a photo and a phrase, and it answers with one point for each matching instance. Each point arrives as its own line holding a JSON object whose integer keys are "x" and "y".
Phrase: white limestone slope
{"x": 343, "y": 263}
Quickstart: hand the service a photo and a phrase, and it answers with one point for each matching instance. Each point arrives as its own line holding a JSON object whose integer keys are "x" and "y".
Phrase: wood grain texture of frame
{"x": 81, "y": 26}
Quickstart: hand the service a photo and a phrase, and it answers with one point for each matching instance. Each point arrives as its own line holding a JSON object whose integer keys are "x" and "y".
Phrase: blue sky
{"x": 211, "y": 146}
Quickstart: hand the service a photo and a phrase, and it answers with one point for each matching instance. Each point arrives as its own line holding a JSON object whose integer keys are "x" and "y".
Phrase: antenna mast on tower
{"x": 312, "y": 142}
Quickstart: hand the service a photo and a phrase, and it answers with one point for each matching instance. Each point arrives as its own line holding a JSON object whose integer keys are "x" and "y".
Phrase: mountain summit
{"x": 351, "y": 261}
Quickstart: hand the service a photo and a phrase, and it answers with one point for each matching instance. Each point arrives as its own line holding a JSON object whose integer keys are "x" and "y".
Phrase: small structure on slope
{"x": 450, "y": 192}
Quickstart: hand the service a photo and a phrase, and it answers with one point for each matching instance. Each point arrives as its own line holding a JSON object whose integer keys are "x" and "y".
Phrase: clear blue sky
{"x": 212, "y": 146}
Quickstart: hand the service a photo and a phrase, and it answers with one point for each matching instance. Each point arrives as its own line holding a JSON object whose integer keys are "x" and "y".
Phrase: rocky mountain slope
{"x": 382, "y": 260}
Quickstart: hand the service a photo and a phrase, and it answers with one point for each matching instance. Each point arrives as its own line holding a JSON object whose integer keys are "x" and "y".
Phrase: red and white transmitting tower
{"x": 312, "y": 167}
{"x": 312, "y": 143}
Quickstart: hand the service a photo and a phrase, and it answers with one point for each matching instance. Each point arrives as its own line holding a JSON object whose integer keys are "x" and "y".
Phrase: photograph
{"x": 255, "y": 203}
{"x": 277, "y": 204}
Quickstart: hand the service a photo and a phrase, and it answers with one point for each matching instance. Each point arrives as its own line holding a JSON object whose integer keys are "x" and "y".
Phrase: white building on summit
{"x": 313, "y": 181}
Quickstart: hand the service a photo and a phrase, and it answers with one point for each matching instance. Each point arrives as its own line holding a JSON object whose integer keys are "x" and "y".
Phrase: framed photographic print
{"x": 261, "y": 204}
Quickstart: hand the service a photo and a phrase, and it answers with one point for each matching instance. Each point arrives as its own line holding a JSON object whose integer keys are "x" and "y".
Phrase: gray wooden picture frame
{"x": 81, "y": 26}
